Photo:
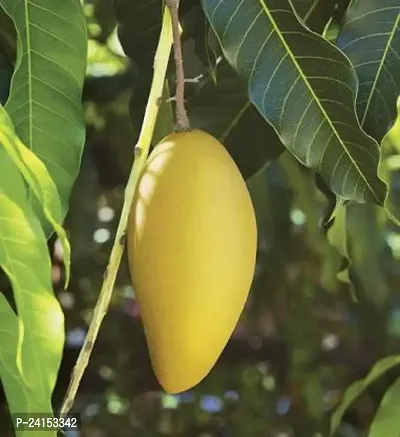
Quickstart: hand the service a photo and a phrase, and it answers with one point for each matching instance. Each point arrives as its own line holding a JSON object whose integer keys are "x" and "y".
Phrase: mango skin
{"x": 192, "y": 242}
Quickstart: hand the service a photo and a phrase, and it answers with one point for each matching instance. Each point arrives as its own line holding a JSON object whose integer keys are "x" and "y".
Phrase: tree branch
{"x": 182, "y": 120}
{"x": 141, "y": 151}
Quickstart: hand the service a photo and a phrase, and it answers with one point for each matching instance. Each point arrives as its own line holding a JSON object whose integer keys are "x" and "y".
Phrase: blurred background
{"x": 305, "y": 334}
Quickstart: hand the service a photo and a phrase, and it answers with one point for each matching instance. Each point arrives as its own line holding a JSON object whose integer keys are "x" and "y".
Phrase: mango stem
{"x": 182, "y": 120}
{"x": 141, "y": 152}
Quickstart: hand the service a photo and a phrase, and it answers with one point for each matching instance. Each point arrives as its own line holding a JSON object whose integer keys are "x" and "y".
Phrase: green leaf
{"x": 338, "y": 238}
{"x": 38, "y": 179}
{"x": 45, "y": 97}
{"x": 305, "y": 8}
{"x": 139, "y": 26}
{"x": 21, "y": 398}
{"x": 357, "y": 235}
{"x": 302, "y": 182}
{"x": 223, "y": 109}
{"x": 37, "y": 350}
{"x": 370, "y": 37}
{"x": 165, "y": 118}
{"x": 358, "y": 387}
{"x": 317, "y": 13}
{"x": 367, "y": 246}
{"x": 5, "y": 78}
{"x": 305, "y": 88}
{"x": 386, "y": 421}
{"x": 8, "y": 37}
{"x": 105, "y": 16}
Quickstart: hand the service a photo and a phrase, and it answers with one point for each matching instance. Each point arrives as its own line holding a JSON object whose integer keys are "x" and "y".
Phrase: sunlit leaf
{"x": 305, "y": 88}
{"x": 386, "y": 421}
{"x": 45, "y": 97}
{"x": 20, "y": 397}
{"x": 370, "y": 37}
{"x": 358, "y": 387}
{"x": 337, "y": 237}
{"x": 38, "y": 179}
{"x": 37, "y": 349}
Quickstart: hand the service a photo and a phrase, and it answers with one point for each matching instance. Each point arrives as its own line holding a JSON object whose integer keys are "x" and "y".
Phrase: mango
{"x": 192, "y": 241}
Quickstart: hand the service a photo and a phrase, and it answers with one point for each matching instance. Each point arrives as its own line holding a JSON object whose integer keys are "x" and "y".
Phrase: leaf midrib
{"x": 380, "y": 69}
{"x": 325, "y": 115}
{"x": 30, "y": 93}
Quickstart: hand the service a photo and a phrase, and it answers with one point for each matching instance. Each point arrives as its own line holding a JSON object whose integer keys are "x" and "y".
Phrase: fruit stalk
{"x": 182, "y": 120}
{"x": 141, "y": 151}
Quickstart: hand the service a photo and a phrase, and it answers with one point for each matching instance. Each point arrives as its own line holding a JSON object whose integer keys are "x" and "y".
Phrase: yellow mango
{"x": 191, "y": 246}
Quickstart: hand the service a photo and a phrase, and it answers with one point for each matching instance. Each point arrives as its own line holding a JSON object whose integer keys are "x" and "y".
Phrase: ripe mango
{"x": 191, "y": 247}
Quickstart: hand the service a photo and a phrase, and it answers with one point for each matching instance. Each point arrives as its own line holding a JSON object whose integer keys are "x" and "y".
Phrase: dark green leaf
{"x": 305, "y": 88}
{"x": 8, "y": 38}
{"x": 366, "y": 247}
{"x": 139, "y": 26}
{"x": 105, "y": 16}
{"x": 165, "y": 118}
{"x": 5, "y": 78}
{"x": 370, "y": 37}
{"x": 317, "y": 13}
{"x": 224, "y": 110}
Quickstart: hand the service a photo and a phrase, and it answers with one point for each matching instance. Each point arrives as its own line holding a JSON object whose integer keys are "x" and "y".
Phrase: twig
{"x": 141, "y": 151}
{"x": 182, "y": 120}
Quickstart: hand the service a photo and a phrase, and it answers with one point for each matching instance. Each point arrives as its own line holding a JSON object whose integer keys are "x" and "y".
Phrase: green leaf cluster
{"x": 41, "y": 139}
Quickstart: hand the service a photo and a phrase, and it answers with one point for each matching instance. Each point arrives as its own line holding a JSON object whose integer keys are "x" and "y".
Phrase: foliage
{"x": 303, "y": 95}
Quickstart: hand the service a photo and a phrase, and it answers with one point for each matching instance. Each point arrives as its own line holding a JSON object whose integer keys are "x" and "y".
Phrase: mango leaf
{"x": 305, "y": 8}
{"x": 105, "y": 16}
{"x": 317, "y": 13}
{"x": 45, "y": 97}
{"x": 304, "y": 87}
{"x": 358, "y": 387}
{"x": 370, "y": 37}
{"x": 367, "y": 246}
{"x": 165, "y": 118}
{"x": 140, "y": 25}
{"x": 37, "y": 349}
{"x": 222, "y": 108}
{"x": 37, "y": 178}
{"x": 8, "y": 43}
{"x": 303, "y": 184}
{"x": 337, "y": 236}
{"x": 5, "y": 78}
{"x": 20, "y": 397}
{"x": 386, "y": 420}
